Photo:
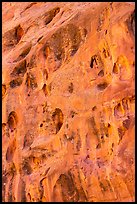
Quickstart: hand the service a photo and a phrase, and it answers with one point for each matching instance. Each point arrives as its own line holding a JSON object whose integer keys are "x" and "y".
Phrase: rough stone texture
{"x": 68, "y": 97}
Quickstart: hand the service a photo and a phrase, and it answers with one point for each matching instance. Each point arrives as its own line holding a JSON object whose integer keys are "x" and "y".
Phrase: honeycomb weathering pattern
{"x": 68, "y": 101}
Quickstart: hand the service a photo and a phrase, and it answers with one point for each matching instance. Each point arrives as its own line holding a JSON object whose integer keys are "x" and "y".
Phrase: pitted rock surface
{"x": 68, "y": 101}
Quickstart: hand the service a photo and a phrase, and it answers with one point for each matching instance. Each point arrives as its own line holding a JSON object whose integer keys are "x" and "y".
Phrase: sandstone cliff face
{"x": 68, "y": 98}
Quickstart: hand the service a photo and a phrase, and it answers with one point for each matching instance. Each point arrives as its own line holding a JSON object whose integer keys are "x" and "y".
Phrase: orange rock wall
{"x": 68, "y": 101}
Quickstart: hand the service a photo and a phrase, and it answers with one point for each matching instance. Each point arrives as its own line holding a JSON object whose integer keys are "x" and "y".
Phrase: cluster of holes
{"x": 64, "y": 43}
{"x": 70, "y": 88}
{"x": 73, "y": 113}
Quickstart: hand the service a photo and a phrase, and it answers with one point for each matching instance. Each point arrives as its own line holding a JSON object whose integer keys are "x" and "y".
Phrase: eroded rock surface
{"x": 68, "y": 101}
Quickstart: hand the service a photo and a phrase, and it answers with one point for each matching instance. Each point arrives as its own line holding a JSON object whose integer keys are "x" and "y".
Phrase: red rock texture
{"x": 68, "y": 101}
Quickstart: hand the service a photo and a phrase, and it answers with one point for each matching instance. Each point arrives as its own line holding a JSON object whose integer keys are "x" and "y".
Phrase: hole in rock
{"x": 109, "y": 125}
{"x": 126, "y": 123}
{"x": 12, "y": 120}
{"x": 121, "y": 133}
{"x": 46, "y": 50}
{"x": 102, "y": 86}
{"x": 20, "y": 69}
{"x": 132, "y": 99}
{"x": 19, "y": 33}
{"x": 29, "y": 6}
{"x": 10, "y": 151}
{"x": 28, "y": 139}
{"x": 12, "y": 37}
{"x": 98, "y": 146}
{"x": 40, "y": 38}
{"x": 26, "y": 167}
{"x": 101, "y": 73}
{"x": 118, "y": 110}
{"x": 31, "y": 81}
{"x": 57, "y": 117}
{"x": 24, "y": 53}
{"x": 94, "y": 108}
{"x": 51, "y": 14}
{"x": 45, "y": 90}
{"x": 3, "y": 126}
{"x": 32, "y": 62}
{"x": 102, "y": 137}
{"x": 93, "y": 61}
{"x": 115, "y": 68}
{"x": 41, "y": 125}
{"x": 15, "y": 82}
{"x": 68, "y": 188}
{"x": 73, "y": 51}
{"x": 3, "y": 90}
{"x": 131, "y": 23}
{"x": 45, "y": 74}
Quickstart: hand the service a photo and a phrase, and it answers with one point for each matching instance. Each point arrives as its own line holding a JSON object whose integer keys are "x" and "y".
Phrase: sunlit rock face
{"x": 68, "y": 101}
